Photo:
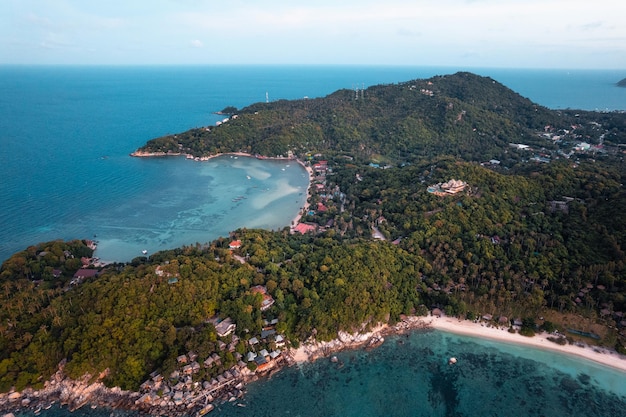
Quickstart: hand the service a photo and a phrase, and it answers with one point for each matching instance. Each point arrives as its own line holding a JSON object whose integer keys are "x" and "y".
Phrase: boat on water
{"x": 205, "y": 410}
{"x": 452, "y": 361}
{"x": 145, "y": 252}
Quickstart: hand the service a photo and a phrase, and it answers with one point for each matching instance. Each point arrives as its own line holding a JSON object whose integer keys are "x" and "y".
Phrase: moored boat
{"x": 205, "y": 410}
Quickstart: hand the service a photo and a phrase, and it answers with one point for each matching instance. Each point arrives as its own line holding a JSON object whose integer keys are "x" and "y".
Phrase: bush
{"x": 548, "y": 327}
{"x": 527, "y": 331}
{"x": 558, "y": 340}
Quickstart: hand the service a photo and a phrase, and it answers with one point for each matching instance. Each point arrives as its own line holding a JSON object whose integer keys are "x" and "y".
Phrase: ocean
{"x": 66, "y": 134}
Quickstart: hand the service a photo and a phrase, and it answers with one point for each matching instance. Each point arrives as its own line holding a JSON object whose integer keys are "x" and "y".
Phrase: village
{"x": 183, "y": 390}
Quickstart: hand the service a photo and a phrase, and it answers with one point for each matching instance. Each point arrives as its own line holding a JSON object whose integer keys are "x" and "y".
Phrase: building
{"x": 267, "y": 300}
{"x": 304, "y": 228}
{"x": 225, "y": 327}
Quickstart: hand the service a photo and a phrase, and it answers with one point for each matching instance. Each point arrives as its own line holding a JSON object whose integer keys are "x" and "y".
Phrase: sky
{"x": 569, "y": 34}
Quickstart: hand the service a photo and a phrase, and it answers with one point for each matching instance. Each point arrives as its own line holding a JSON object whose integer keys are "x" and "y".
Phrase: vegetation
{"x": 525, "y": 240}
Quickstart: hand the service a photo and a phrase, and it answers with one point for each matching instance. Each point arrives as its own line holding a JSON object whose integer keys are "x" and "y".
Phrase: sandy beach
{"x": 600, "y": 355}
{"x": 309, "y": 170}
{"x": 607, "y": 357}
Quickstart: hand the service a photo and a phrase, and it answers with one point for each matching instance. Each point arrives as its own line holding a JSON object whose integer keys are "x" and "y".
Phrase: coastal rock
{"x": 622, "y": 83}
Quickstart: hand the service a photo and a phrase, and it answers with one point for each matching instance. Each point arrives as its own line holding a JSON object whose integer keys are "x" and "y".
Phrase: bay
{"x": 66, "y": 134}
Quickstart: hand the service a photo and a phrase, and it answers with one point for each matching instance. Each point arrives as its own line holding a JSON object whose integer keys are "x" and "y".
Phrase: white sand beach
{"x": 309, "y": 170}
{"x": 540, "y": 341}
{"x": 610, "y": 358}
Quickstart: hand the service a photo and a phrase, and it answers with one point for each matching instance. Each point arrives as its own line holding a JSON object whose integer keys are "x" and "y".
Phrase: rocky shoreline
{"x": 74, "y": 394}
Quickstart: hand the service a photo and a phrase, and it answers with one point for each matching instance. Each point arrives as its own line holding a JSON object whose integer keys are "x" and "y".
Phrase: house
{"x": 225, "y": 327}
{"x": 279, "y": 340}
{"x": 266, "y": 333}
{"x": 216, "y": 359}
{"x": 253, "y": 341}
{"x": 267, "y": 300}
{"x": 182, "y": 359}
{"x": 304, "y": 228}
{"x": 235, "y": 244}
{"x": 84, "y": 273}
{"x": 250, "y": 356}
{"x": 264, "y": 353}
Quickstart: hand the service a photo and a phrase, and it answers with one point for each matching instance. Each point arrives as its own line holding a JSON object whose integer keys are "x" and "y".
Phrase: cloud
{"x": 196, "y": 43}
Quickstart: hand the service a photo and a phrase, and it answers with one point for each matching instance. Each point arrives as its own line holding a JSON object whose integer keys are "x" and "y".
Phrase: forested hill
{"x": 463, "y": 114}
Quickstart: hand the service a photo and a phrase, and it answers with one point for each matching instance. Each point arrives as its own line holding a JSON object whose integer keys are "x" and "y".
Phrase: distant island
{"x": 622, "y": 83}
{"x": 451, "y": 196}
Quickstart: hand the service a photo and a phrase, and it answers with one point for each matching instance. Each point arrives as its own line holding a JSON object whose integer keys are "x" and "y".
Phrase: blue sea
{"x": 65, "y": 172}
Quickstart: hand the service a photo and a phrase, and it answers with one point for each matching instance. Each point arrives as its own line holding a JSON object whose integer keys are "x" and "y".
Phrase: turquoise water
{"x": 197, "y": 202}
{"x": 65, "y": 172}
{"x": 409, "y": 375}
{"x": 66, "y": 134}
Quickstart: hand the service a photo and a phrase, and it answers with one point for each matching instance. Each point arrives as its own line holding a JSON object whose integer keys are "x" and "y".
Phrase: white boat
{"x": 145, "y": 252}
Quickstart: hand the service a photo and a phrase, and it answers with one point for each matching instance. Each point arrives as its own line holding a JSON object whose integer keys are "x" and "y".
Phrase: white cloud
{"x": 196, "y": 43}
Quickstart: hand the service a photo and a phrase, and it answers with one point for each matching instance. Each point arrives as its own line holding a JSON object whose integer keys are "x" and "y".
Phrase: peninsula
{"x": 432, "y": 202}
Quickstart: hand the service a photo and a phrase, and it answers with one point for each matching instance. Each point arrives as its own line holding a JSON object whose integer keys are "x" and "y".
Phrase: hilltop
{"x": 464, "y": 115}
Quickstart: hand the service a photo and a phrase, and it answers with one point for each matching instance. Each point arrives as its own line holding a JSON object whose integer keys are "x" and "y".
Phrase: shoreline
{"x": 76, "y": 394}
{"x": 308, "y": 169}
{"x": 311, "y": 351}
{"x": 304, "y": 209}
{"x": 599, "y": 355}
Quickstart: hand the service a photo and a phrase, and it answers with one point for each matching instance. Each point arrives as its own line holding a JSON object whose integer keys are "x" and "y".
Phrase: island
{"x": 622, "y": 83}
{"x": 431, "y": 202}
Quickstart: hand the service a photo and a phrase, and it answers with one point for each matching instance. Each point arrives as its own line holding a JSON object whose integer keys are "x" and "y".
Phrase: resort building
{"x": 451, "y": 187}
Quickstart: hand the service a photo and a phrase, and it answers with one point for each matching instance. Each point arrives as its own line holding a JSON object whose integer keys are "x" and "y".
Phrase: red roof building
{"x": 304, "y": 228}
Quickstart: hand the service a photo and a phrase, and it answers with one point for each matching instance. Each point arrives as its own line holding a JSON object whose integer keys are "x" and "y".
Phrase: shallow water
{"x": 66, "y": 134}
{"x": 199, "y": 202}
{"x": 409, "y": 375}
